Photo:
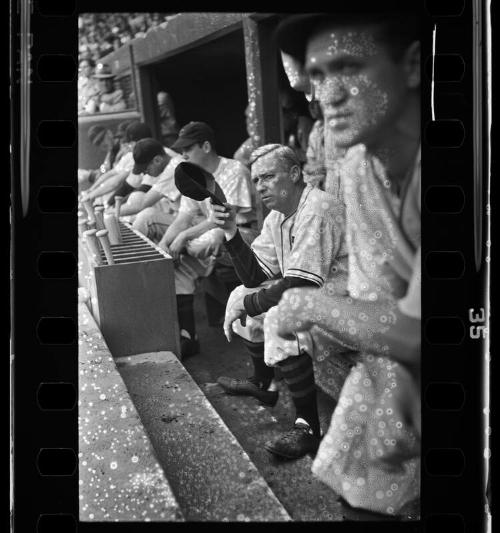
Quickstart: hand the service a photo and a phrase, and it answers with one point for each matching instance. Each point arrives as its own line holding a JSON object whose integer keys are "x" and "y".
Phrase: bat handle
{"x": 102, "y": 235}
{"x": 99, "y": 213}
{"x": 112, "y": 225}
{"x": 93, "y": 245}
{"x": 87, "y": 204}
{"x": 118, "y": 205}
{"x": 82, "y": 227}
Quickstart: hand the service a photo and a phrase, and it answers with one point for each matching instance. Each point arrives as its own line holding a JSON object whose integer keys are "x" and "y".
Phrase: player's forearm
{"x": 261, "y": 301}
{"x": 102, "y": 178}
{"x": 193, "y": 232}
{"x": 378, "y": 328}
{"x": 109, "y": 185}
{"x": 244, "y": 261}
{"x": 179, "y": 224}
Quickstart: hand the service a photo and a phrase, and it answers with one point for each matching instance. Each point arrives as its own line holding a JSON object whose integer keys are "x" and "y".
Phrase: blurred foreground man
{"x": 365, "y": 69}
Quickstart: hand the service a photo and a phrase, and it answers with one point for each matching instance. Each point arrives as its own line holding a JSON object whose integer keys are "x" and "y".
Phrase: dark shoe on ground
{"x": 189, "y": 347}
{"x": 295, "y": 443}
{"x": 248, "y": 387}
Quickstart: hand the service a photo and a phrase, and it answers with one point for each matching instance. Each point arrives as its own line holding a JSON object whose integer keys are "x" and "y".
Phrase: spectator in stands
{"x": 108, "y": 99}
{"x": 87, "y": 85}
{"x": 366, "y": 73}
{"x": 169, "y": 128}
{"x": 192, "y": 240}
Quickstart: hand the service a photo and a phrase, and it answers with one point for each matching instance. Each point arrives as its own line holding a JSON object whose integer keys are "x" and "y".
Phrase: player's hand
{"x": 234, "y": 312}
{"x": 224, "y": 217}
{"x": 295, "y": 311}
{"x": 177, "y": 246}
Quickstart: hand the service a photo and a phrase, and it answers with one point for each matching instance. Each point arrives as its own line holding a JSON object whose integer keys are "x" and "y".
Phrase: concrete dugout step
{"x": 120, "y": 478}
{"x": 211, "y": 475}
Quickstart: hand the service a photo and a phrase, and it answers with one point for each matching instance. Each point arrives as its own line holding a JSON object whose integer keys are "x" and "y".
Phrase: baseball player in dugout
{"x": 192, "y": 239}
{"x": 300, "y": 245}
{"x": 365, "y": 70}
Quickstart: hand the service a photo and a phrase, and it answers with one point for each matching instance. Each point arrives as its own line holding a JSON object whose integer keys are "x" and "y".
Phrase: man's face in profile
{"x": 362, "y": 90}
{"x": 105, "y": 85}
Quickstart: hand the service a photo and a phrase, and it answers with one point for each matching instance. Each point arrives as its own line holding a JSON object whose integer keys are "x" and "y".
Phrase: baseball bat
{"x": 82, "y": 227}
{"x": 111, "y": 224}
{"x": 118, "y": 204}
{"x": 102, "y": 235}
{"x": 93, "y": 245}
{"x": 99, "y": 212}
{"x": 87, "y": 204}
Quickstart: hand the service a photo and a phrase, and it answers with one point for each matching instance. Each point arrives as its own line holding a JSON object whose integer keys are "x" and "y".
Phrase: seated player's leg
{"x": 261, "y": 384}
{"x": 295, "y": 360}
{"x": 370, "y": 454}
{"x": 153, "y": 223}
{"x": 296, "y": 366}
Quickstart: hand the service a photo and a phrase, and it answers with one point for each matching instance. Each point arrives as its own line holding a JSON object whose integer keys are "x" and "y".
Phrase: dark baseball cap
{"x": 192, "y": 133}
{"x": 144, "y": 152}
{"x": 137, "y": 131}
{"x": 294, "y": 31}
{"x": 96, "y": 134}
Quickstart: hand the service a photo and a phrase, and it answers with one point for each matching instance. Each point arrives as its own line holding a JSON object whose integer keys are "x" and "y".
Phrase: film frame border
{"x": 444, "y": 360}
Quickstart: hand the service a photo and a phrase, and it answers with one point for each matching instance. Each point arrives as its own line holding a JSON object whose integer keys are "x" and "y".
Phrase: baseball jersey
{"x": 383, "y": 229}
{"x": 308, "y": 243}
{"x": 234, "y": 180}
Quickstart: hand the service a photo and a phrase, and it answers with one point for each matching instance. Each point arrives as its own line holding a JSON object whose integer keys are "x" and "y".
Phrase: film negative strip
{"x": 46, "y": 372}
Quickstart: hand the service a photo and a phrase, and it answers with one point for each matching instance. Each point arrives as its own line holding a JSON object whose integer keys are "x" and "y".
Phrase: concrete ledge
{"x": 211, "y": 475}
{"x": 120, "y": 478}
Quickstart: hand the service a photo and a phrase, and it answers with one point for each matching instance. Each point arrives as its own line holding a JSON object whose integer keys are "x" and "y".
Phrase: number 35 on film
{"x": 477, "y": 329}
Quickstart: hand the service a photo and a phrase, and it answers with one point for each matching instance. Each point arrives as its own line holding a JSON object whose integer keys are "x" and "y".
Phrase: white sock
{"x": 300, "y": 420}
{"x": 273, "y": 386}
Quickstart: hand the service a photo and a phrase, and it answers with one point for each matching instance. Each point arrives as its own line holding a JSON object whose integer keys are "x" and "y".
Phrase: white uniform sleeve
{"x": 134, "y": 180}
{"x": 234, "y": 180}
{"x": 410, "y": 304}
{"x": 126, "y": 163}
{"x": 165, "y": 184}
{"x": 190, "y": 206}
{"x": 264, "y": 247}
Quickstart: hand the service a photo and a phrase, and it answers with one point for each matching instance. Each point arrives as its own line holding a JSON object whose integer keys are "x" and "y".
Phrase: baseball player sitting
{"x": 300, "y": 245}
{"x": 366, "y": 73}
{"x": 115, "y": 180}
{"x": 192, "y": 239}
{"x": 155, "y": 199}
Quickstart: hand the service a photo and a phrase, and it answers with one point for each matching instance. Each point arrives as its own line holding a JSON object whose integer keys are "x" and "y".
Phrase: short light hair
{"x": 284, "y": 154}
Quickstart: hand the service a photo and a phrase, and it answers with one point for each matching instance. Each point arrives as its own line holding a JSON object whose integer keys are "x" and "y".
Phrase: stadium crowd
{"x": 102, "y": 33}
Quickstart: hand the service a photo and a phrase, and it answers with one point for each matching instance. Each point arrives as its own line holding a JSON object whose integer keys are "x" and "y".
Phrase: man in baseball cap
{"x": 107, "y": 100}
{"x": 364, "y": 65}
{"x": 115, "y": 179}
{"x": 144, "y": 153}
{"x": 194, "y": 133}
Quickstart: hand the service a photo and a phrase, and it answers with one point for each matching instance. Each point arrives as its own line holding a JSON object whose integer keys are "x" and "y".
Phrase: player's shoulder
{"x": 320, "y": 203}
{"x": 232, "y": 166}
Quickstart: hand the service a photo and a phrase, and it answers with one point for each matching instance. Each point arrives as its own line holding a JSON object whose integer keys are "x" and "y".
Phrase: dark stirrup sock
{"x": 261, "y": 371}
{"x": 185, "y": 314}
{"x": 298, "y": 374}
